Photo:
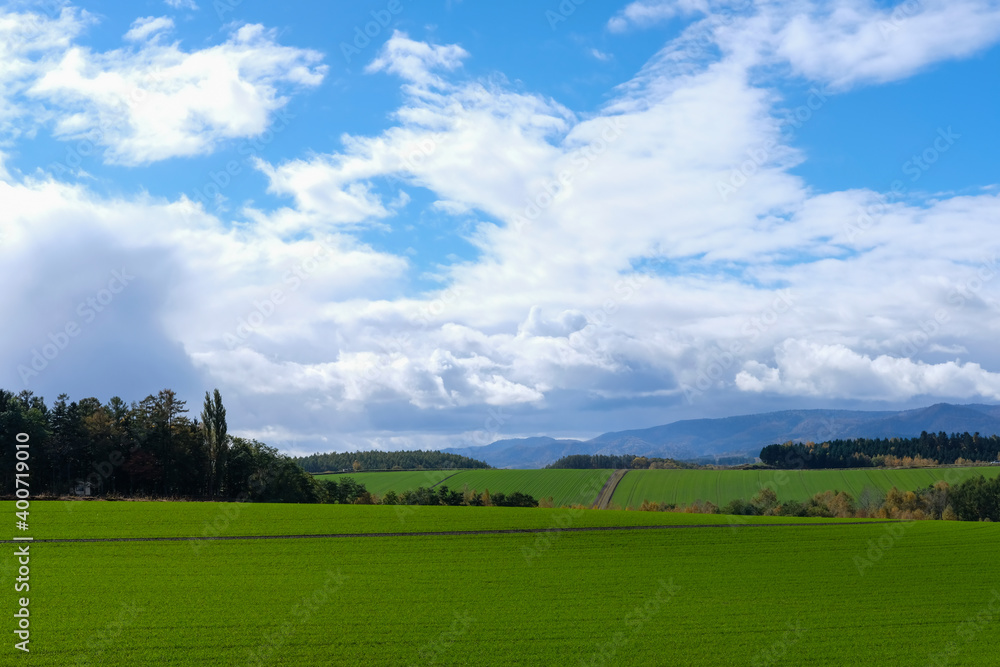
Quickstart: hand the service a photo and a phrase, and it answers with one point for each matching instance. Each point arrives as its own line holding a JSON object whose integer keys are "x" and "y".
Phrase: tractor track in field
{"x": 441, "y": 533}
{"x": 438, "y": 483}
{"x": 608, "y": 490}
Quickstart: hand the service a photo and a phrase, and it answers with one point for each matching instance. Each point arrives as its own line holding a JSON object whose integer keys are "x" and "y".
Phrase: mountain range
{"x": 743, "y": 435}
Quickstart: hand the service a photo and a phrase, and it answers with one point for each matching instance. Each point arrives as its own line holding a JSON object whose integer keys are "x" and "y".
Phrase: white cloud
{"x": 848, "y": 43}
{"x": 160, "y": 102}
{"x": 567, "y": 323}
{"x": 645, "y": 13}
{"x": 763, "y": 293}
{"x": 841, "y": 44}
{"x": 639, "y": 181}
{"x": 414, "y": 61}
{"x": 323, "y": 194}
{"x": 142, "y": 28}
{"x": 835, "y": 371}
{"x": 182, "y": 4}
{"x": 221, "y": 281}
{"x": 28, "y": 40}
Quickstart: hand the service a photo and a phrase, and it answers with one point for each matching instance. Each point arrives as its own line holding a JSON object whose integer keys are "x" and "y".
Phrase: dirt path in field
{"x": 608, "y": 490}
{"x": 445, "y": 533}
{"x": 438, "y": 483}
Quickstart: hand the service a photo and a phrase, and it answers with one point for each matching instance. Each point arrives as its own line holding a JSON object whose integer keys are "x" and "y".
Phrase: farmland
{"x": 116, "y": 520}
{"x": 566, "y": 487}
{"x": 699, "y": 596}
{"x": 684, "y": 487}
{"x": 681, "y": 487}
{"x": 396, "y": 480}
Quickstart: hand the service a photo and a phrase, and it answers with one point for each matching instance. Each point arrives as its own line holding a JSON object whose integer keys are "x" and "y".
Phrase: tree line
{"x": 926, "y": 450}
{"x": 149, "y": 448}
{"x": 616, "y": 462}
{"x": 345, "y": 490}
{"x": 376, "y": 460}
{"x": 468, "y": 497}
{"x": 152, "y": 449}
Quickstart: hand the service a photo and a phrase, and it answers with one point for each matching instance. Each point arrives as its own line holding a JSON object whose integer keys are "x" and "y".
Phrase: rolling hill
{"x": 745, "y": 434}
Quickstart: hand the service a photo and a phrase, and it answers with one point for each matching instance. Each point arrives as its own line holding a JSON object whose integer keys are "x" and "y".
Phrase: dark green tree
{"x": 214, "y": 432}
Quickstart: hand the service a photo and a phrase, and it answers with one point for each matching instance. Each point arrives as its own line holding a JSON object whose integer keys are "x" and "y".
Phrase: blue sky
{"x": 486, "y": 220}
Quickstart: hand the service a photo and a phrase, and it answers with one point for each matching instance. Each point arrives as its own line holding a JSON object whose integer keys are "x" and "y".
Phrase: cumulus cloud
{"x": 415, "y": 61}
{"x": 835, "y": 371}
{"x": 557, "y": 300}
{"x": 28, "y": 41}
{"x": 609, "y": 266}
{"x": 567, "y": 323}
{"x": 161, "y": 102}
{"x": 323, "y": 193}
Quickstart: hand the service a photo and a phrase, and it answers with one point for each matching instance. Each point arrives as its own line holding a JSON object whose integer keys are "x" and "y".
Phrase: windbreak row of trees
{"x": 149, "y": 448}
{"x": 926, "y": 450}
{"x": 375, "y": 460}
{"x": 468, "y": 497}
{"x": 345, "y": 490}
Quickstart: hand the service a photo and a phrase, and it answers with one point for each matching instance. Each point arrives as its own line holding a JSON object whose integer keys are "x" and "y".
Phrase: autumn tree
{"x": 765, "y": 502}
{"x": 870, "y": 500}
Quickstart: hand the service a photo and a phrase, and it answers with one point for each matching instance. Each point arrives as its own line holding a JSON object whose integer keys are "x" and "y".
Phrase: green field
{"x": 397, "y": 480}
{"x": 565, "y": 487}
{"x": 684, "y": 487}
{"x": 681, "y": 487}
{"x": 729, "y": 595}
{"x": 100, "y": 519}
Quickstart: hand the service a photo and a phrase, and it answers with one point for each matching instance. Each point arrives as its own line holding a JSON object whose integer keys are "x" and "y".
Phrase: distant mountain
{"x": 992, "y": 410}
{"x": 535, "y": 452}
{"x": 940, "y": 417}
{"x": 746, "y": 434}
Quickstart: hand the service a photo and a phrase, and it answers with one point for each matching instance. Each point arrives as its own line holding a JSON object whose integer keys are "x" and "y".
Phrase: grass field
{"x": 398, "y": 481}
{"x": 681, "y": 487}
{"x": 876, "y": 594}
{"x": 100, "y": 519}
{"x": 565, "y": 487}
{"x": 684, "y": 487}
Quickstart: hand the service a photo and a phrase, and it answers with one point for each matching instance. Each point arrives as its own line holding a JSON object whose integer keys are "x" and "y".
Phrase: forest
{"x": 616, "y": 462}
{"x": 376, "y": 460}
{"x": 926, "y": 450}
{"x": 148, "y": 449}
{"x": 153, "y": 449}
